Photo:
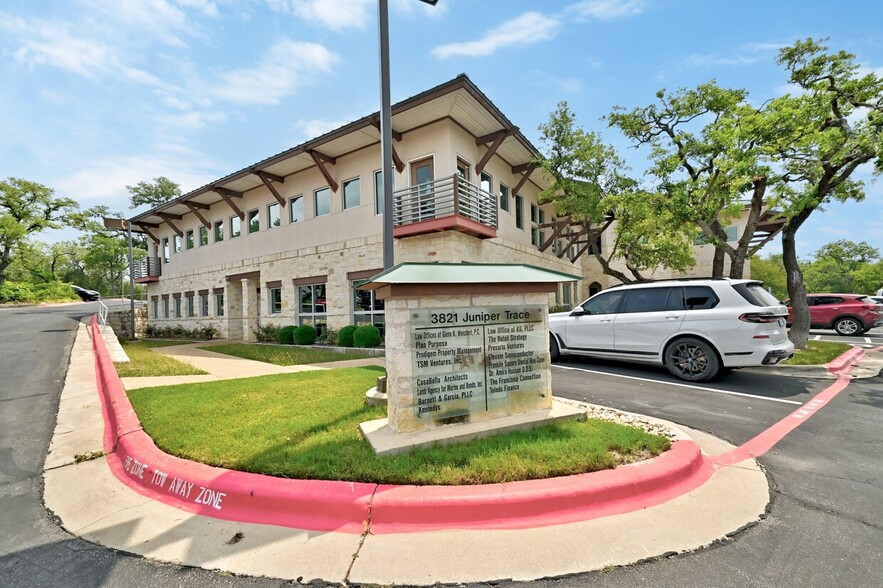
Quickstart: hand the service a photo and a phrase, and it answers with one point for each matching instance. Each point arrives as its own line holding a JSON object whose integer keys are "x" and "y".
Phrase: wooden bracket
{"x": 227, "y": 196}
{"x": 526, "y": 169}
{"x": 496, "y": 139}
{"x": 320, "y": 161}
{"x": 169, "y": 218}
{"x": 267, "y": 178}
{"x": 145, "y": 227}
{"x": 193, "y": 208}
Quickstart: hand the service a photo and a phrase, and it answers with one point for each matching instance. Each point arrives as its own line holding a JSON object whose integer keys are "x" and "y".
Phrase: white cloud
{"x": 193, "y": 119}
{"x": 337, "y": 15}
{"x": 318, "y": 126}
{"x": 207, "y": 7}
{"x": 286, "y": 68}
{"x": 160, "y": 19}
{"x": 546, "y": 80}
{"x": 710, "y": 60}
{"x": 527, "y": 29}
{"x": 606, "y": 9}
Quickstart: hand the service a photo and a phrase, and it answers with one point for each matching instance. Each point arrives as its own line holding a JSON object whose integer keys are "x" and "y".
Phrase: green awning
{"x": 466, "y": 273}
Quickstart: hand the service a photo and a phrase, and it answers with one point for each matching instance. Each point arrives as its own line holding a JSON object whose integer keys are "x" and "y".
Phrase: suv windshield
{"x": 755, "y": 295}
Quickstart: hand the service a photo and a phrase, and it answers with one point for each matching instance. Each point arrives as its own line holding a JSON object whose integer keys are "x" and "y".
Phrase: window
{"x": 519, "y": 212}
{"x": 219, "y": 304}
{"x": 646, "y": 300}
{"x": 463, "y": 169}
{"x": 312, "y": 308}
{"x": 219, "y": 231}
{"x": 605, "y": 303}
{"x": 275, "y": 300}
{"x": 165, "y": 250}
{"x": 694, "y": 298}
{"x": 191, "y": 308}
{"x": 253, "y": 220}
{"x": 274, "y": 215}
{"x": 504, "y": 197}
{"x": 165, "y": 308}
{"x": 178, "y": 308}
{"x": 296, "y": 209}
{"x": 367, "y": 309}
{"x": 351, "y": 193}
{"x": 378, "y": 192}
{"x": 702, "y": 239}
{"x": 322, "y": 201}
{"x": 487, "y": 183}
{"x": 203, "y": 235}
{"x": 537, "y": 218}
{"x": 235, "y": 227}
{"x": 154, "y": 308}
{"x": 188, "y": 239}
{"x": 203, "y": 305}
{"x": 176, "y": 243}
{"x": 567, "y": 294}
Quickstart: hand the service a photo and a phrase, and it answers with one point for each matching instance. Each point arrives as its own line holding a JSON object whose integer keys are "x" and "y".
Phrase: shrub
{"x": 345, "y": 336}
{"x": 367, "y": 336}
{"x": 305, "y": 335}
{"x": 266, "y": 333}
{"x": 17, "y": 292}
{"x": 329, "y": 336}
{"x": 286, "y": 335}
{"x": 560, "y": 308}
{"x": 208, "y": 331}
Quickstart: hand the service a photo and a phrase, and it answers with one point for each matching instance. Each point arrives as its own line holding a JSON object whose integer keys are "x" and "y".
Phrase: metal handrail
{"x": 445, "y": 197}
{"x": 102, "y": 314}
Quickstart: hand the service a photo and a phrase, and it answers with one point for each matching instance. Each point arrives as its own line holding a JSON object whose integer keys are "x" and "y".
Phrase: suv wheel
{"x": 692, "y": 359}
{"x": 848, "y": 326}
{"x": 554, "y": 352}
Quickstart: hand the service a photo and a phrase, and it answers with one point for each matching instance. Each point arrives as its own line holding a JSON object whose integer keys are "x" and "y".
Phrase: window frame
{"x": 219, "y": 304}
{"x": 292, "y": 204}
{"x": 203, "y": 236}
{"x": 326, "y": 195}
{"x": 504, "y": 198}
{"x": 278, "y": 210}
{"x": 274, "y": 305}
{"x": 343, "y": 192}
{"x": 191, "y": 307}
{"x": 218, "y": 227}
{"x": 373, "y": 313}
{"x": 519, "y": 212}
{"x": 203, "y": 305}
{"x": 176, "y": 243}
{"x": 235, "y": 232}
{"x": 189, "y": 241}
{"x": 165, "y": 251}
{"x": 312, "y": 317}
{"x": 253, "y": 221}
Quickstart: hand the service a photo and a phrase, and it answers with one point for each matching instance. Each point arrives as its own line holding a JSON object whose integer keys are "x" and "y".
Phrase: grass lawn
{"x": 144, "y": 362}
{"x": 305, "y": 426}
{"x": 281, "y": 355}
{"x": 818, "y": 353}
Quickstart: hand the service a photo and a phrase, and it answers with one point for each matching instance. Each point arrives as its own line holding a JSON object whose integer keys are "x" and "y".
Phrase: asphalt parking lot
{"x": 873, "y": 338}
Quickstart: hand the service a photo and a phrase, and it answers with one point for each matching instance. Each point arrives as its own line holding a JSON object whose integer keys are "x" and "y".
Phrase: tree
{"x": 26, "y": 208}
{"x": 842, "y": 266}
{"x": 154, "y": 193}
{"x": 819, "y": 138}
{"x": 590, "y": 187}
{"x": 771, "y": 271}
{"x": 706, "y": 168}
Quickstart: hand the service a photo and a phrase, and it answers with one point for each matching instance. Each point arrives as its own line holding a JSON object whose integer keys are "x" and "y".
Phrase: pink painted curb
{"x": 845, "y": 361}
{"x": 347, "y": 506}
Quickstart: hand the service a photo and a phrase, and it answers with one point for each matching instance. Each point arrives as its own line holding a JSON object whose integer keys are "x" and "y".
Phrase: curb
{"x": 845, "y": 361}
{"x": 349, "y": 507}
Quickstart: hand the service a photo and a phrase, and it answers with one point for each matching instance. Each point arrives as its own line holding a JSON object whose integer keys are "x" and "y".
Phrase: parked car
{"x": 877, "y": 299}
{"x": 86, "y": 295}
{"x": 848, "y": 314}
{"x": 694, "y": 327}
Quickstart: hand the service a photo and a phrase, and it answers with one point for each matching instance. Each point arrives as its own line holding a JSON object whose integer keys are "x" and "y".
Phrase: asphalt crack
{"x": 818, "y": 508}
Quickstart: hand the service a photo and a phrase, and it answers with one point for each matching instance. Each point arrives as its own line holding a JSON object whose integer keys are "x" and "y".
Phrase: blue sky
{"x": 98, "y": 94}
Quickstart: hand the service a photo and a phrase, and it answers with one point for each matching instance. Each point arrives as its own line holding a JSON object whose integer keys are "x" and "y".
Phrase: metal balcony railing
{"x": 451, "y": 196}
{"x": 149, "y": 267}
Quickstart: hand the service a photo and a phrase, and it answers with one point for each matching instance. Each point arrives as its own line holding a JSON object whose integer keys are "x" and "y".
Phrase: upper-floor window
{"x": 253, "y": 219}
{"x": 176, "y": 243}
{"x": 219, "y": 231}
{"x": 378, "y": 192}
{"x": 463, "y": 169}
{"x": 504, "y": 197}
{"x": 731, "y": 232}
{"x": 203, "y": 235}
{"x": 322, "y": 201}
{"x": 537, "y": 218}
{"x": 165, "y": 250}
{"x": 235, "y": 227}
{"x": 188, "y": 239}
{"x": 351, "y": 193}
{"x": 487, "y": 183}
{"x": 274, "y": 215}
{"x": 296, "y": 209}
{"x": 519, "y": 211}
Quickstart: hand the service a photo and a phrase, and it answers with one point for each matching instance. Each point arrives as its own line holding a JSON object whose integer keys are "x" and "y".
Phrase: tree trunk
{"x": 5, "y": 260}
{"x": 799, "y": 333}
{"x": 737, "y": 264}
{"x": 605, "y": 267}
{"x": 717, "y": 266}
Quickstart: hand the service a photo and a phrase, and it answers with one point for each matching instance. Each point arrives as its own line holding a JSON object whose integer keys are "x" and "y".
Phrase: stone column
{"x": 248, "y": 302}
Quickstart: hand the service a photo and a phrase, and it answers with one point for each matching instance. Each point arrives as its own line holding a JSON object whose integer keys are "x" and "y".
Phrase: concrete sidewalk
{"x": 92, "y": 503}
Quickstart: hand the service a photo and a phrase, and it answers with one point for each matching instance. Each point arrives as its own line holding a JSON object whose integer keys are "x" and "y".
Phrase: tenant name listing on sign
{"x": 468, "y": 360}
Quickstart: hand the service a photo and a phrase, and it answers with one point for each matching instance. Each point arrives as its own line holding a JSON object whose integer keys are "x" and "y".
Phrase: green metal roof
{"x": 466, "y": 273}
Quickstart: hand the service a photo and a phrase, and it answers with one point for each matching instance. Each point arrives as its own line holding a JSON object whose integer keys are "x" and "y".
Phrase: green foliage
{"x": 367, "y": 336}
{"x": 328, "y": 336}
{"x": 844, "y": 266}
{"x": 771, "y": 272}
{"x": 154, "y": 193}
{"x": 285, "y": 335}
{"x": 281, "y": 355}
{"x": 28, "y": 293}
{"x": 145, "y": 363}
{"x": 305, "y": 425}
{"x": 345, "y": 336}
{"x": 205, "y": 332}
{"x": 818, "y": 353}
{"x": 268, "y": 333}
{"x": 305, "y": 335}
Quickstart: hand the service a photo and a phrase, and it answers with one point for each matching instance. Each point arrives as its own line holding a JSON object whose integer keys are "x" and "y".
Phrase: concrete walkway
{"x": 92, "y": 503}
{"x": 227, "y": 367}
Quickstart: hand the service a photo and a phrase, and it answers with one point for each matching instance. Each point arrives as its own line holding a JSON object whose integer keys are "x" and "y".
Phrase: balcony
{"x": 447, "y": 204}
{"x": 147, "y": 270}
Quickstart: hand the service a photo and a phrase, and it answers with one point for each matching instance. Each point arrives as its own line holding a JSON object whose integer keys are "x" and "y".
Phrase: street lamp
{"x": 386, "y": 129}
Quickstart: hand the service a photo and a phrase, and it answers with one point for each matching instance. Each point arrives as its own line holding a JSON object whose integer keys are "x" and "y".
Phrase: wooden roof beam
{"x": 268, "y": 179}
{"x": 145, "y": 228}
{"x": 227, "y": 196}
{"x": 395, "y": 134}
{"x": 320, "y": 160}
{"x": 526, "y": 169}
{"x": 196, "y": 213}
{"x": 496, "y": 139}
{"x": 560, "y": 224}
{"x": 191, "y": 205}
{"x": 168, "y": 218}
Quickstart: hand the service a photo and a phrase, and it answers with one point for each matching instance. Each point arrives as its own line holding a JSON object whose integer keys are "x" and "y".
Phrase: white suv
{"x": 694, "y": 327}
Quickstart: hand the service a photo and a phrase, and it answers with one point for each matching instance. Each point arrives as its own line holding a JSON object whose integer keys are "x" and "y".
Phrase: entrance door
{"x": 422, "y": 175}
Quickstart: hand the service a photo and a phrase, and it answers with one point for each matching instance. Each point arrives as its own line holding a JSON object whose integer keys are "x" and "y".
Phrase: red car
{"x": 848, "y": 314}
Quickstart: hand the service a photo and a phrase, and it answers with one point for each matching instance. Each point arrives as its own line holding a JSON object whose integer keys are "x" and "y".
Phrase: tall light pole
{"x": 386, "y": 129}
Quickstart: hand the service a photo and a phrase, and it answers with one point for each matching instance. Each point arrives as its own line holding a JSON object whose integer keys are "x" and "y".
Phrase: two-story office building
{"x": 288, "y": 239}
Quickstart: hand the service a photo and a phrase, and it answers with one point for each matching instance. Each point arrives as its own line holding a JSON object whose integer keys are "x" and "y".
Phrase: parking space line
{"x": 680, "y": 385}
{"x": 867, "y": 339}
{"x": 817, "y": 338}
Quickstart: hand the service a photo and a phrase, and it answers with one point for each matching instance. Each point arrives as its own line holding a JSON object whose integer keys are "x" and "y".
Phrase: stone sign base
{"x": 385, "y": 441}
